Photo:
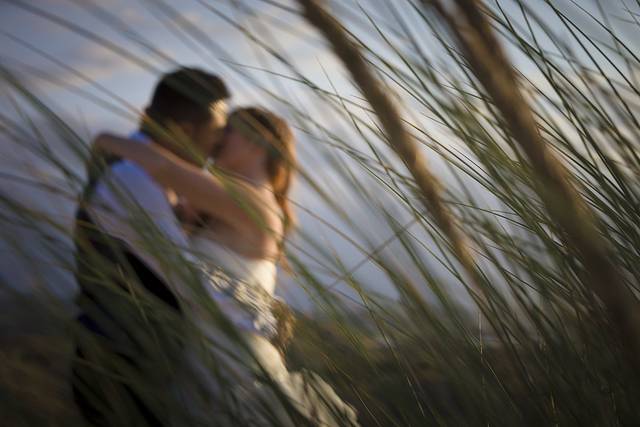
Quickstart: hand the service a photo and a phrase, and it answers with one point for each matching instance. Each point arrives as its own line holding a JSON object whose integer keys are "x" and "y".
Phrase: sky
{"x": 94, "y": 63}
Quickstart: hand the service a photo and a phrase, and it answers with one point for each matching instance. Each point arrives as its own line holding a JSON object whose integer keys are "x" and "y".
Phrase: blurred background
{"x": 369, "y": 247}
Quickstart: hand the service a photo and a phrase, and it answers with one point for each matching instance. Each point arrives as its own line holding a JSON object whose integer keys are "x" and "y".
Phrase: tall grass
{"x": 513, "y": 254}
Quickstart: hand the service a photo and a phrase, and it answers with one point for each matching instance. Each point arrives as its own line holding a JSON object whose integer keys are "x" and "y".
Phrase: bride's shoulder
{"x": 268, "y": 209}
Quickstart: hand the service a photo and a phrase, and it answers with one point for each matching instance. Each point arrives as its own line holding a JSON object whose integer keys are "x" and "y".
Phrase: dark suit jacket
{"x": 123, "y": 308}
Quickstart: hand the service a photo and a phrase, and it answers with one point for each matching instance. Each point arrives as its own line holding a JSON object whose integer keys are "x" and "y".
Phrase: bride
{"x": 244, "y": 217}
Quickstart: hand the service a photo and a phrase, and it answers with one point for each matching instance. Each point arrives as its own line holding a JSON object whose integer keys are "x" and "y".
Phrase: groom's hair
{"x": 186, "y": 95}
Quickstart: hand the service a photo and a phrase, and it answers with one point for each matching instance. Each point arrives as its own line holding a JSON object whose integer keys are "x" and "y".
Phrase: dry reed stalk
{"x": 565, "y": 205}
{"x": 401, "y": 141}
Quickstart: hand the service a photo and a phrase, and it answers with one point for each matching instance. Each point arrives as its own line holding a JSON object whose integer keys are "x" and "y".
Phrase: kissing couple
{"x": 178, "y": 235}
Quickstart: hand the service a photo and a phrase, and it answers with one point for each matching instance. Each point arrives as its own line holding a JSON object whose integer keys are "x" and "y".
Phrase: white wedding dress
{"x": 233, "y": 380}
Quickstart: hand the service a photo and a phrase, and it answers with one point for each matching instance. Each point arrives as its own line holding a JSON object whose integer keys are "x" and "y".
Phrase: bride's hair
{"x": 270, "y": 129}
{"x": 274, "y": 131}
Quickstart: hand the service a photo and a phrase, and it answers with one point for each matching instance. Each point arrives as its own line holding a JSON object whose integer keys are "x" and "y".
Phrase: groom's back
{"x": 99, "y": 254}
{"x": 114, "y": 330}
{"x": 95, "y": 244}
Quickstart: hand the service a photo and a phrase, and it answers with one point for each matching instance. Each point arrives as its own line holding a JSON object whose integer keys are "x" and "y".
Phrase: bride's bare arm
{"x": 231, "y": 201}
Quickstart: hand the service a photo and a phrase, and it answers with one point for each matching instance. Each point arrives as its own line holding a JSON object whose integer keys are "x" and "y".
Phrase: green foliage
{"x": 534, "y": 345}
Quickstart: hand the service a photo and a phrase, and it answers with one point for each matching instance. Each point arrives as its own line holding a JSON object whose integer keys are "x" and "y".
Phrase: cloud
{"x": 132, "y": 16}
{"x": 77, "y": 68}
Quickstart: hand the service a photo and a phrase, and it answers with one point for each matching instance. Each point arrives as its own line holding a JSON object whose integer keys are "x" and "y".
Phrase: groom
{"x": 114, "y": 268}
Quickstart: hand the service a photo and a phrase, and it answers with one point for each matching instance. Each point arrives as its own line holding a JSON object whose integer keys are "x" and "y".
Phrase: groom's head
{"x": 188, "y": 112}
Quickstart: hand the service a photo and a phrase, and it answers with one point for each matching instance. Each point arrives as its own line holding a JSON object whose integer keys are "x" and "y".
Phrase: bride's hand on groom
{"x": 98, "y": 156}
{"x": 100, "y": 144}
{"x": 187, "y": 214}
